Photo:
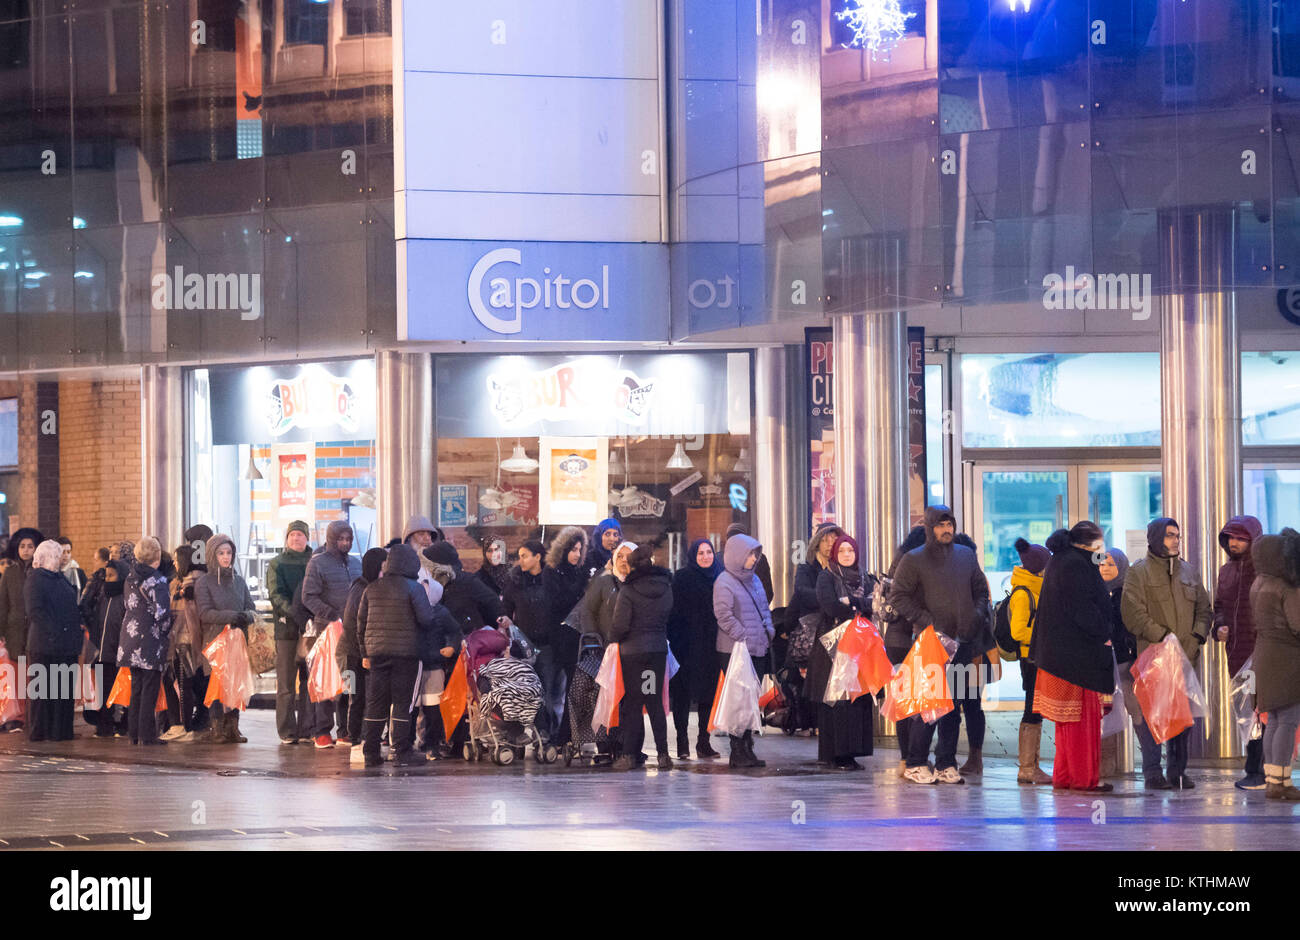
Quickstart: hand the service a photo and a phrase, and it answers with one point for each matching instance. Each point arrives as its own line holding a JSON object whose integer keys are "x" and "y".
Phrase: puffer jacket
{"x": 395, "y": 610}
{"x": 103, "y": 614}
{"x": 54, "y": 629}
{"x": 1275, "y": 600}
{"x": 1018, "y": 607}
{"x": 329, "y": 577}
{"x": 147, "y": 623}
{"x": 1163, "y": 595}
{"x": 598, "y": 604}
{"x": 220, "y": 594}
{"x": 739, "y": 601}
{"x": 1232, "y": 592}
{"x": 641, "y": 611}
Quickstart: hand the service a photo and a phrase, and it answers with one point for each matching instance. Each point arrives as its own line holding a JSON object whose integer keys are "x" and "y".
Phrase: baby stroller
{"x": 505, "y": 695}
{"x": 584, "y": 745}
{"x": 792, "y": 711}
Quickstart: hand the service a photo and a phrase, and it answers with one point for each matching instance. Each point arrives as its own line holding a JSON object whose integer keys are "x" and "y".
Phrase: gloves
{"x": 187, "y": 592}
{"x": 241, "y": 620}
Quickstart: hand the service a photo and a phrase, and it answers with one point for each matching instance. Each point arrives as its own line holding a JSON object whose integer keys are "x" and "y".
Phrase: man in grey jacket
{"x": 740, "y": 606}
{"x": 1163, "y": 594}
{"x": 325, "y": 587}
{"x": 939, "y": 584}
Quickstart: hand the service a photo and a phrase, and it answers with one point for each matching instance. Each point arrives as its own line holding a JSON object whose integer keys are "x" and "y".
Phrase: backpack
{"x": 1009, "y": 646}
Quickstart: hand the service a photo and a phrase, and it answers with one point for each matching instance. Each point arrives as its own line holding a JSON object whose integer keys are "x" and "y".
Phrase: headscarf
{"x": 1121, "y": 562}
{"x": 630, "y": 546}
{"x": 495, "y": 573}
{"x": 48, "y": 556}
{"x": 126, "y": 553}
{"x": 598, "y": 555}
{"x": 850, "y": 577}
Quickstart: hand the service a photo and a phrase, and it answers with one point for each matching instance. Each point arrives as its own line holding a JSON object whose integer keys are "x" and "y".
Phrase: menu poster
{"x": 574, "y": 480}
{"x": 507, "y": 505}
{"x": 291, "y": 484}
{"x": 453, "y": 504}
{"x": 293, "y": 481}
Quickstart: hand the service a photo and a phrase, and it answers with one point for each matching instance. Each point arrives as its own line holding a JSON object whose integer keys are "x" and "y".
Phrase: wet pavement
{"x": 93, "y": 793}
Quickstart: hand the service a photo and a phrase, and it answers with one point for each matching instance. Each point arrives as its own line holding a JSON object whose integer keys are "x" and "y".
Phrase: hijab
{"x": 1121, "y": 562}
{"x": 693, "y": 584}
{"x": 851, "y": 578}
{"x": 609, "y": 566}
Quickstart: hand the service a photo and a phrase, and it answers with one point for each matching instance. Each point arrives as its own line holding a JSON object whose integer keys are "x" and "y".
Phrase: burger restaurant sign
{"x": 313, "y": 402}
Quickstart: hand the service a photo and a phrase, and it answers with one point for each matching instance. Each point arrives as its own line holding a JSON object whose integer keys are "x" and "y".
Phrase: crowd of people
{"x": 1080, "y": 614}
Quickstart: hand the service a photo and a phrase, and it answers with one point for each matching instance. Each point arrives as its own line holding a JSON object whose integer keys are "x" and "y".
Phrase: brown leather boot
{"x": 974, "y": 766}
{"x": 1029, "y": 773}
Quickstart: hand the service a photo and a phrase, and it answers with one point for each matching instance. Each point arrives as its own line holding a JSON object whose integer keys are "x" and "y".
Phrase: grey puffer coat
{"x": 330, "y": 574}
{"x": 739, "y": 601}
{"x": 221, "y": 594}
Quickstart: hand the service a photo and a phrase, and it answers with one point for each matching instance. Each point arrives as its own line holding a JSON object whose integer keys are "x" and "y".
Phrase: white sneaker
{"x": 948, "y": 775}
{"x": 918, "y": 775}
{"x": 172, "y": 733}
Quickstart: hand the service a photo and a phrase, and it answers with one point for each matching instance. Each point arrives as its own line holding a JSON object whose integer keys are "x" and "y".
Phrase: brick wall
{"x": 99, "y": 464}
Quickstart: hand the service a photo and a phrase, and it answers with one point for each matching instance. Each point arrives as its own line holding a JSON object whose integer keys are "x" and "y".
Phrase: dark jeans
{"x": 141, "y": 721}
{"x": 966, "y": 690}
{"x": 1255, "y": 756}
{"x": 1028, "y": 677}
{"x": 643, "y": 686}
{"x": 322, "y": 718}
{"x": 921, "y": 734}
{"x": 48, "y": 718}
{"x": 389, "y": 688}
{"x": 562, "y": 734}
{"x": 293, "y": 712}
{"x": 194, "y": 716}
{"x": 1175, "y": 752}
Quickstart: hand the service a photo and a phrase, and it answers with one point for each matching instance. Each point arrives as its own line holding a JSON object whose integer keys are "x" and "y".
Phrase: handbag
{"x": 803, "y": 636}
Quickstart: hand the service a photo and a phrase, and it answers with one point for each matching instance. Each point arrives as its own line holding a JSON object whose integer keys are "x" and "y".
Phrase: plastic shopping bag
{"x": 920, "y": 687}
{"x": 455, "y": 696}
{"x": 121, "y": 691}
{"x": 737, "y": 708}
{"x": 1116, "y": 720}
{"x": 863, "y": 642}
{"x": 88, "y": 686}
{"x": 717, "y": 696}
{"x": 842, "y": 686}
{"x": 1167, "y": 689}
{"x": 670, "y": 669}
{"x": 10, "y": 708}
{"x": 324, "y": 681}
{"x": 610, "y": 681}
{"x": 1241, "y": 693}
{"x": 232, "y": 676}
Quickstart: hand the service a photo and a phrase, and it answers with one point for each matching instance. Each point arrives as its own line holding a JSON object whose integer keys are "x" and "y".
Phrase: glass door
{"x": 1272, "y": 494}
{"x": 1122, "y": 501}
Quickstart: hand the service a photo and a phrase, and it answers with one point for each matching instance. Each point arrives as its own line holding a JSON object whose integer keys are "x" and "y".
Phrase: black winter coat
{"x": 104, "y": 620}
{"x": 944, "y": 586}
{"x": 395, "y": 610}
{"x": 1122, "y": 642}
{"x": 1073, "y": 623}
{"x": 54, "y": 622}
{"x": 641, "y": 612}
{"x": 830, "y": 588}
{"x": 532, "y": 601}
{"x": 471, "y": 602}
{"x": 693, "y": 632}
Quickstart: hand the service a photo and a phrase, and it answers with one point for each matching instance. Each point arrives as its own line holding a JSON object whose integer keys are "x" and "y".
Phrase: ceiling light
{"x": 519, "y": 462}
{"x": 251, "y": 472}
{"x": 679, "y": 460}
{"x": 742, "y": 464}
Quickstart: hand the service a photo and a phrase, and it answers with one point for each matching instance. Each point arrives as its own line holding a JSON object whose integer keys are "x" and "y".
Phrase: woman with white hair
{"x": 53, "y": 644}
{"x": 143, "y": 643}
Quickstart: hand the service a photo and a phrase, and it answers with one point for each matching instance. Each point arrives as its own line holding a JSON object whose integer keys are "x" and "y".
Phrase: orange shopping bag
{"x": 1167, "y": 689}
{"x": 717, "y": 694}
{"x": 862, "y": 640}
{"x": 324, "y": 680}
{"x": 10, "y": 706}
{"x": 921, "y": 686}
{"x": 121, "y": 691}
{"x": 232, "y": 679}
{"x": 454, "y": 697}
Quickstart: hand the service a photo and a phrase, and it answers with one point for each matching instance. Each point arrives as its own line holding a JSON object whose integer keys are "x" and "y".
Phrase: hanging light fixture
{"x": 679, "y": 460}
{"x": 519, "y": 462}
{"x": 742, "y": 464}
{"x": 617, "y": 464}
{"x": 251, "y": 472}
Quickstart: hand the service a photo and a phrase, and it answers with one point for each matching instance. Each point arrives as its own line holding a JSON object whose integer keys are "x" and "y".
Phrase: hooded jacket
{"x": 1164, "y": 594}
{"x": 329, "y": 576}
{"x": 1123, "y": 642}
{"x": 147, "y": 623}
{"x": 395, "y": 610}
{"x": 283, "y": 576}
{"x": 372, "y": 566}
{"x": 1232, "y": 592}
{"x": 13, "y": 604}
{"x": 1275, "y": 601}
{"x": 641, "y": 611}
{"x": 220, "y": 594}
{"x": 1019, "y": 609}
{"x": 739, "y": 603}
{"x": 54, "y": 629}
{"x": 533, "y": 602}
{"x": 804, "y": 600}
{"x": 1073, "y": 626}
{"x": 102, "y": 613}
{"x": 470, "y": 601}
{"x": 941, "y": 585}
{"x": 598, "y": 603}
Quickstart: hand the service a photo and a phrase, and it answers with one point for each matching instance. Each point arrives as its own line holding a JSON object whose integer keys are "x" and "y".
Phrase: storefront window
{"x": 1061, "y": 400}
{"x": 938, "y": 425}
{"x": 1272, "y": 495}
{"x": 271, "y": 444}
{"x": 529, "y": 444}
{"x": 1270, "y": 398}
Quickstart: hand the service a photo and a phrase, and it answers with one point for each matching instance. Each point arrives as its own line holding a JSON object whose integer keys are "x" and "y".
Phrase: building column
{"x": 871, "y": 428}
{"x": 776, "y": 447}
{"x": 404, "y": 440}
{"x": 162, "y": 453}
{"x": 1200, "y": 423}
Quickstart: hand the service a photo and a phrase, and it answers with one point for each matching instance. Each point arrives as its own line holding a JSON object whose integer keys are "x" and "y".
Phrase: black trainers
{"x": 1158, "y": 783}
{"x": 1251, "y": 782}
{"x": 1184, "y": 782}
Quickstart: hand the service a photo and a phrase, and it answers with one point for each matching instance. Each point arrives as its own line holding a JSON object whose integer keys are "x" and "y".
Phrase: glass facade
{"x": 138, "y": 145}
